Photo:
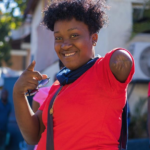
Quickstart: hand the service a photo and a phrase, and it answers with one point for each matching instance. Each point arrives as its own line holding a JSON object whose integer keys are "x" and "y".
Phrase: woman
{"x": 87, "y": 111}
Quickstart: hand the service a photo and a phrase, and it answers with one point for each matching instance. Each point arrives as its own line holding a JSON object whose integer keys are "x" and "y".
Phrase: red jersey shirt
{"x": 88, "y": 112}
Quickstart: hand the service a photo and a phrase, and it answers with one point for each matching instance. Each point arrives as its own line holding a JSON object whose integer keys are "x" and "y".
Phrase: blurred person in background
{"x": 129, "y": 114}
{"x": 5, "y": 109}
{"x": 149, "y": 112}
{"x": 1, "y": 84}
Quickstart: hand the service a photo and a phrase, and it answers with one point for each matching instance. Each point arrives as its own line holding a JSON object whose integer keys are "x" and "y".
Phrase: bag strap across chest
{"x": 50, "y": 139}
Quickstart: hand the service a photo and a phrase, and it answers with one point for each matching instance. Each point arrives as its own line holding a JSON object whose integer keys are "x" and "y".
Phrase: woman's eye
{"x": 74, "y": 35}
{"x": 58, "y": 38}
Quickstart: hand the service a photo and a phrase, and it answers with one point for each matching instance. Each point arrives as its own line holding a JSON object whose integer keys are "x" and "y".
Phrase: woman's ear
{"x": 94, "y": 38}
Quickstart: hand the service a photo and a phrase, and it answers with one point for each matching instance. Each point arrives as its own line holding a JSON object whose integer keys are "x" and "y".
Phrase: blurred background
{"x": 23, "y": 38}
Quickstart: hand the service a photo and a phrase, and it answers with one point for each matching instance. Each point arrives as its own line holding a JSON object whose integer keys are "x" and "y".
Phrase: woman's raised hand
{"x": 28, "y": 80}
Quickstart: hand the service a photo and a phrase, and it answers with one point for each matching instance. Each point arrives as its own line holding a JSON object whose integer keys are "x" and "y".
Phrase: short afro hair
{"x": 91, "y": 12}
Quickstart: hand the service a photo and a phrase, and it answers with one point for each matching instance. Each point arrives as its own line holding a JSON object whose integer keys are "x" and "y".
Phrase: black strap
{"x": 124, "y": 129}
{"x": 50, "y": 141}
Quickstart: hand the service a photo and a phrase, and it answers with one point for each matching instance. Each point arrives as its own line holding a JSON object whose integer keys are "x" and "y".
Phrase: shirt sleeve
{"x": 46, "y": 96}
{"x": 51, "y": 90}
{"x": 109, "y": 80}
{"x": 41, "y": 95}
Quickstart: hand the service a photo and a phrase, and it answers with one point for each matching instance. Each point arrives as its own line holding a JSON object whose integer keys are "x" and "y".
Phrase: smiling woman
{"x": 75, "y": 31}
{"x": 73, "y": 43}
{"x": 89, "y": 96}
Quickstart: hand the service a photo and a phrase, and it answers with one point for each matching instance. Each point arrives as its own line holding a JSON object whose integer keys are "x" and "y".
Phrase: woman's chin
{"x": 72, "y": 67}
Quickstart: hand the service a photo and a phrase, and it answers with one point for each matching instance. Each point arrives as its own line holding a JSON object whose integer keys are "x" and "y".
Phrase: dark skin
{"x": 35, "y": 106}
{"x": 30, "y": 123}
{"x": 74, "y": 46}
{"x": 120, "y": 65}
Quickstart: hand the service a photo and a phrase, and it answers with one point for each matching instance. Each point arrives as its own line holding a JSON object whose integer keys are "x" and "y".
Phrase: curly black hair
{"x": 91, "y": 12}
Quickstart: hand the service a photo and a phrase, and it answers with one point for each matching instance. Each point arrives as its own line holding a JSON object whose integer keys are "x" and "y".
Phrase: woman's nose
{"x": 66, "y": 45}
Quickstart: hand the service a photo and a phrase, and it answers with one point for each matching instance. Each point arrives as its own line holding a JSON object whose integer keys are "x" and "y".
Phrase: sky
{"x": 13, "y": 4}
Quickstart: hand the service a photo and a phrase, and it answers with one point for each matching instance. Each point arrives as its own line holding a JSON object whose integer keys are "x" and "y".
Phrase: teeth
{"x": 69, "y": 54}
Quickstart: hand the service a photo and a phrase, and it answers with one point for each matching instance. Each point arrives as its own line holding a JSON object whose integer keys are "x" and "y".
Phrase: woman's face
{"x": 73, "y": 43}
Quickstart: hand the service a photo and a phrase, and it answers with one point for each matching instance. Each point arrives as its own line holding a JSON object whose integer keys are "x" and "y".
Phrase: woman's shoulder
{"x": 106, "y": 58}
{"x": 109, "y": 54}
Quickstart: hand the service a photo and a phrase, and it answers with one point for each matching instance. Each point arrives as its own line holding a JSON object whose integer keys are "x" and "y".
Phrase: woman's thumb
{"x": 31, "y": 66}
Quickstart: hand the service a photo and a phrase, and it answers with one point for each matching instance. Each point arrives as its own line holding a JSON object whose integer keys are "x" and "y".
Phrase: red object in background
{"x": 149, "y": 89}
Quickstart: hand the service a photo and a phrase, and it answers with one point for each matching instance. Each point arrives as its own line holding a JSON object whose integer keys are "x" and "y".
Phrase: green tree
{"x": 141, "y": 19}
{"x": 4, "y": 40}
{"x": 9, "y": 21}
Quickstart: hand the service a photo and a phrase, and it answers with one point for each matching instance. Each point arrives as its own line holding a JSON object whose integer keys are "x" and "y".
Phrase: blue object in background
{"x": 13, "y": 129}
{"x": 8, "y": 85}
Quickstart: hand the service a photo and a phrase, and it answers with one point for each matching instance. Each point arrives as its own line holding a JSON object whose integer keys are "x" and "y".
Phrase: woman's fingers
{"x": 29, "y": 79}
{"x": 37, "y": 75}
{"x": 33, "y": 75}
{"x": 31, "y": 86}
{"x": 33, "y": 81}
{"x": 44, "y": 76}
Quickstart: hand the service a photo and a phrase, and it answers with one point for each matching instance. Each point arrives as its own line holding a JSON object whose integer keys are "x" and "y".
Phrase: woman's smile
{"x": 70, "y": 54}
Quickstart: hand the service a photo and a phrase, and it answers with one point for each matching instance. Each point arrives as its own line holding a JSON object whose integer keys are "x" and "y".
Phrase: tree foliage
{"x": 9, "y": 21}
{"x": 141, "y": 18}
{"x": 4, "y": 44}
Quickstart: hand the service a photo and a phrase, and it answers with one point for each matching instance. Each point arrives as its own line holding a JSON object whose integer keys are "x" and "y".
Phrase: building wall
{"x": 28, "y": 58}
{"x": 120, "y": 23}
{"x": 16, "y": 63}
{"x": 37, "y": 17}
{"x": 19, "y": 59}
{"x": 117, "y": 33}
{"x": 119, "y": 27}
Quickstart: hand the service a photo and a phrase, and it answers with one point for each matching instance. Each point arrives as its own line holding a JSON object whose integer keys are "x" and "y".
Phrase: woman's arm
{"x": 30, "y": 124}
{"x": 120, "y": 65}
{"x": 35, "y": 105}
